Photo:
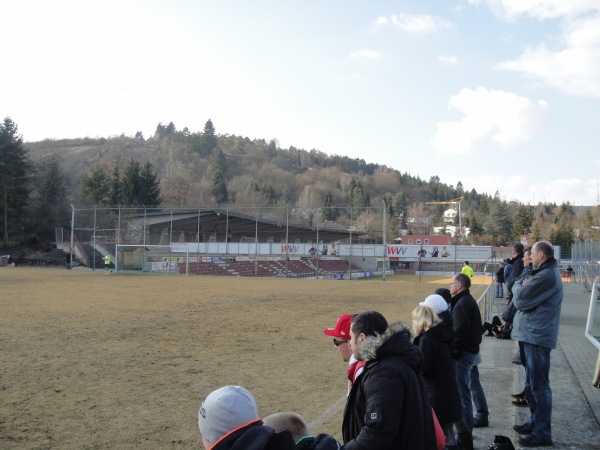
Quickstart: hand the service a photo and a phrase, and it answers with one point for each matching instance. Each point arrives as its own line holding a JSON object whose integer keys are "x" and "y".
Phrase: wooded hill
{"x": 205, "y": 169}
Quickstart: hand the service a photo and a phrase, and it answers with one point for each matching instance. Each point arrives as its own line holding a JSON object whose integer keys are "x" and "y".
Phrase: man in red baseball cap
{"x": 341, "y": 340}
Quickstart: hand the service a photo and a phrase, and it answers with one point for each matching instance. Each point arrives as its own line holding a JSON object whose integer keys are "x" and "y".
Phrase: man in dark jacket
{"x": 228, "y": 420}
{"x": 517, "y": 267}
{"x": 468, "y": 329}
{"x": 388, "y": 407}
{"x": 538, "y": 300}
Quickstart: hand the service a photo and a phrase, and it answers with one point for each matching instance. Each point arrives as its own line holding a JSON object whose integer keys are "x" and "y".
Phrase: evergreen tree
{"x": 131, "y": 184}
{"x": 96, "y": 185}
{"x": 14, "y": 176}
{"x": 400, "y": 209}
{"x": 356, "y": 202}
{"x": 218, "y": 173}
{"x": 536, "y": 235}
{"x": 563, "y": 236}
{"x": 208, "y": 140}
{"x": 116, "y": 188}
{"x": 499, "y": 224}
{"x": 484, "y": 206}
{"x": 149, "y": 187}
{"x": 476, "y": 228}
{"x": 170, "y": 130}
{"x": 49, "y": 198}
{"x": 523, "y": 221}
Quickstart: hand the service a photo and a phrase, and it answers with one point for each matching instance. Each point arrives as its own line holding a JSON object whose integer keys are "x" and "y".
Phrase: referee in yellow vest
{"x": 107, "y": 262}
{"x": 467, "y": 270}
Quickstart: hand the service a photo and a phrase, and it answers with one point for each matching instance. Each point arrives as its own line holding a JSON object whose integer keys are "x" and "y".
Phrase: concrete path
{"x": 576, "y": 403}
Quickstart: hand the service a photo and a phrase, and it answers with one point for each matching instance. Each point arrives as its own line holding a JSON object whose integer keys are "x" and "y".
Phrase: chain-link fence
{"x": 223, "y": 236}
{"x": 585, "y": 263}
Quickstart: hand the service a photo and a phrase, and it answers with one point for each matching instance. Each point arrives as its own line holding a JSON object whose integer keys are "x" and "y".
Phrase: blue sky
{"x": 501, "y": 95}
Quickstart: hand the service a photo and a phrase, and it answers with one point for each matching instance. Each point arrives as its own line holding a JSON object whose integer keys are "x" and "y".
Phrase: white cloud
{"x": 574, "y": 68}
{"x": 540, "y": 9}
{"x": 418, "y": 24}
{"x": 369, "y": 54}
{"x": 448, "y": 60}
{"x": 504, "y": 118}
{"x": 597, "y": 162}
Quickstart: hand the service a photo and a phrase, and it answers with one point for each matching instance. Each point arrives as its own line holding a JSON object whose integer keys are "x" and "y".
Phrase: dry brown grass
{"x": 123, "y": 361}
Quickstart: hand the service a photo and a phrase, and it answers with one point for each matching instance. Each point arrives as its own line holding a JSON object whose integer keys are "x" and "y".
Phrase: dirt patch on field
{"x": 90, "y": 360}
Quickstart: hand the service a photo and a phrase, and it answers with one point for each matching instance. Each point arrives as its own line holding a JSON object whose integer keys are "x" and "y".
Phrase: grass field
{"x": 123, "y": 361}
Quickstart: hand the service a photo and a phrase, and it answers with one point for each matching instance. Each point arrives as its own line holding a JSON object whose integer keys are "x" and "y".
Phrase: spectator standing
{"x": 388, "y": 407}
{"x": 517, "y": 267}
{"x": 438, "y": 370}
{"x": 341, "y": 340}
{"x": 467, "y": 270}
{"x": 507, "y": 270}
{"x": 228, "y": 419}
{"x": 538, "y": 299}
{"x": 468, "y": 329}
{"x": 509, "y": 315}
{"x": 500, "y": 281}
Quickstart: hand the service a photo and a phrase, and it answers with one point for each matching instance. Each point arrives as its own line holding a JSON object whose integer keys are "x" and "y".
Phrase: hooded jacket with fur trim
{"x": 388, "y": 407}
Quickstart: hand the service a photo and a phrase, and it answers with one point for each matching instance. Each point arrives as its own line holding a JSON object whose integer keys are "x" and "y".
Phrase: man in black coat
{"x": 468, "y": 329}
{"x": 388, "y": 407}
{"x": 517, "y": 267}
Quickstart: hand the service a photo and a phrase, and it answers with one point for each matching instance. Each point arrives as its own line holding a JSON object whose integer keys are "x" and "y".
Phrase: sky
{"x": 500, "y": 95}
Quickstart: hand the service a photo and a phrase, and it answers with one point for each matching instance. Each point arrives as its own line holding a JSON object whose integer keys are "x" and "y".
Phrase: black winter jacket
{"x": 255, "y": 436}
{"x": 388, "y": 407}
{"x": 515, "y": 272}
{"x": 438, "y": 374}
{"x": 319, "y": 442}
{"x": 466, "y": 320}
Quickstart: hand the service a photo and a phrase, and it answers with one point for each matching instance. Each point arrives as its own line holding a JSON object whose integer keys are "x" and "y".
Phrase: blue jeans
{"x": 469, "y": 388}
{"x": 539, "y": 395}
{"x": 499, "y": 290}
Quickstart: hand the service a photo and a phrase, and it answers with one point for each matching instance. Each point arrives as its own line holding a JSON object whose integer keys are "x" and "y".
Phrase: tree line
{"x": 184, "y": 169}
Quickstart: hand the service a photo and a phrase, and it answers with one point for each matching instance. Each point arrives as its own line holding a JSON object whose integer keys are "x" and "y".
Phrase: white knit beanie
{"x": 225, "y": 410}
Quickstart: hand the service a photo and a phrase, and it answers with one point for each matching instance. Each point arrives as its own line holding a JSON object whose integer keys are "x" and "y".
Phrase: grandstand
{"x": 295, "y": 268}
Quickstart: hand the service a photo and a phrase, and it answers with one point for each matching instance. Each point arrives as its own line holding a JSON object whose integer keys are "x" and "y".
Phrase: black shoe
{"x": 530, "y": 441}
{"x": 523, "y": 429}
{"x": 520, "y": 402}
{"x": 480, "y": 423}
{"x": 519, "y": 395}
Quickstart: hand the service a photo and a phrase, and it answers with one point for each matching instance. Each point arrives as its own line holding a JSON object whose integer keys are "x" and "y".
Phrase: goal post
{"x": 151, "y": 259}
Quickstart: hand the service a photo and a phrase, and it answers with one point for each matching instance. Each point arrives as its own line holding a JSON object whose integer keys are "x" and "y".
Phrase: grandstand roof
{"x": 243, "y": 224}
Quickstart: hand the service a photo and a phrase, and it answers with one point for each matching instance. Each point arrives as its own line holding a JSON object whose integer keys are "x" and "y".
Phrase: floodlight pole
{"x": 72, "y": 231}
{"x": 226, "y": 237}
{"x": 256, "y": 243}
{"x": 384, "y": 237}
{"x": 317, "y": 253}
{"x": 287, "y": 250}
